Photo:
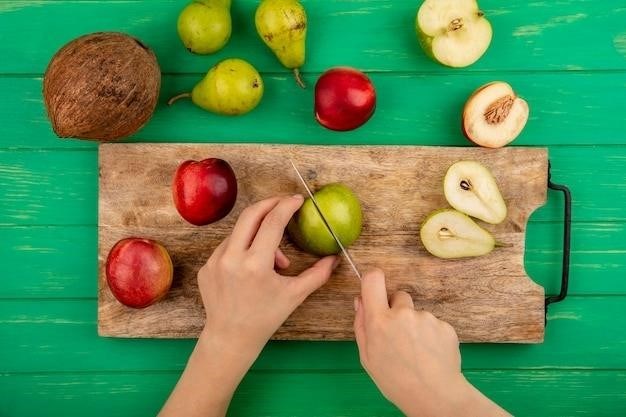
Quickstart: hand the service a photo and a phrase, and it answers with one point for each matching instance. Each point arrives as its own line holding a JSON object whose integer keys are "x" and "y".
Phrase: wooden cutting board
{"x": 486, "y": 299}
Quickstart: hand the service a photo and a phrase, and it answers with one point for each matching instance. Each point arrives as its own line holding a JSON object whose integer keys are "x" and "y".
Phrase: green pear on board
{"x": 471, "y": 188}
{"x": 342, "y": 210}
{"x": 450, "y": 234}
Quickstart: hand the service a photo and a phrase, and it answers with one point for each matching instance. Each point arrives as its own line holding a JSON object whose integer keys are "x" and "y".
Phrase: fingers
{"x": 359, "y": 322}
{"x": 219, "y": 250}
{"x": 401, "y": 299}
{"x": 313, "y": 278}
{"x": 249, "y": 221}
{"x": 374, "y": 292}
{"x": 272, "y": 227}
{"x": 280, "y": 259}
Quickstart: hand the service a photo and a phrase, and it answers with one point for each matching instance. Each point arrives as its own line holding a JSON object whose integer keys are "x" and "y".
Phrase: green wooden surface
{"x": 567, "y": 58}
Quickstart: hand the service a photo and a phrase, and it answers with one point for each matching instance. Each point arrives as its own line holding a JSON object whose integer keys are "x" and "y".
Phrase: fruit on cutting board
{"x": 204, "y": 191}
{"x": 282, "y": 24}
{"x": 471, "y": 188}
{"x": 139, "y": 271}
{"x": 453, "y": 32}
{"x": 232, "y": 87}
{"x": 101, "y": 86}
{"x": 205, "y": 26}
{"x": 494, "y": 115}
{"x": 340, "y": 207}
{"x": 451, "y": 234}
{"x": 345, "y": 99}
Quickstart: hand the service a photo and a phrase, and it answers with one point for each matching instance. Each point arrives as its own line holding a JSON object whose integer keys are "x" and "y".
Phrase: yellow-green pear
{"x": 232, "y": 87}
{"x": 451, "y": 234}
{"x": 282, "y": 26}
{"x": 341, "y": 209}
{"x": 472, "y": 189}
{"x": 205, "y": 26}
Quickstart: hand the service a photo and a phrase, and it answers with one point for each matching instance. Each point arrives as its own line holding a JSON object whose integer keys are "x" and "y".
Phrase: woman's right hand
{"x": 412, "y": 356}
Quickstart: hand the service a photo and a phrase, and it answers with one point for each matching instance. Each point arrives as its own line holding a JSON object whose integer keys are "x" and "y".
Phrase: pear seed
{"x": 445, "y": 233}
{"x": 466, "y": 185}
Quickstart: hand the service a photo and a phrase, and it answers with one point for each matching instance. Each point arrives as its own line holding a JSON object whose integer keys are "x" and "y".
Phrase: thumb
{"x": 374, "y": 292}
{"x": 314, "y": 277}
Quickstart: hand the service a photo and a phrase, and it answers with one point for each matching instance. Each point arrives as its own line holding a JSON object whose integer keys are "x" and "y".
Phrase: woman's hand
{"x": 412, "y": 356}
{"x": 245, "y": 299}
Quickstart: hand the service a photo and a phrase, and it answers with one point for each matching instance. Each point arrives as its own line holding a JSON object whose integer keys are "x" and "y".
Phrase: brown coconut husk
{"x": 101, "y": 86}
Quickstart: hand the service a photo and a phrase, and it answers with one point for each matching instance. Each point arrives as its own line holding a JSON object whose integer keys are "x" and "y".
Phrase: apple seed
{"x": 455, "y": 24}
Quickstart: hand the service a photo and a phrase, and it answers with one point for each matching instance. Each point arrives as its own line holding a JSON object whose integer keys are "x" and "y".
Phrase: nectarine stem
{"x": 296, "y": 73}
{"x": 178, "y": 97}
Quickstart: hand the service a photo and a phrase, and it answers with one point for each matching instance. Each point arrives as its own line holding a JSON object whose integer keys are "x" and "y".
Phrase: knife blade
{"x": 344, "y": 251}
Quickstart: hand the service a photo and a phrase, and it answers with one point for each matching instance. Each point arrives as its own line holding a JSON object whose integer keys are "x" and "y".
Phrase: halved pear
{"x": 451, "y": 234}
{"x": 494, "y": 115}
{"x": 453, "y": 32}
{"x": 471, "y": 188}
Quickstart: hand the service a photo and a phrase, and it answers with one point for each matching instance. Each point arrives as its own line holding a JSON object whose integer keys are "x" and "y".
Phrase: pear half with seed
{"x": 453, "y": 32}
{"x": 470, "y": 188}
{"x": 451, "y": 234}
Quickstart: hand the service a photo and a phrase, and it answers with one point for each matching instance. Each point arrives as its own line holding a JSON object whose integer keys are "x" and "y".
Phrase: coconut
{"x": 102, "y": 86}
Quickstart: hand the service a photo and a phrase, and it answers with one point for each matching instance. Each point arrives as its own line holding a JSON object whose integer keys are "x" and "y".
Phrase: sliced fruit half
{"x": 494, "y": 115}
{"x": 453, "y": 32}
{"x": 471, "y": 188}
{"x": 451, "y": 234}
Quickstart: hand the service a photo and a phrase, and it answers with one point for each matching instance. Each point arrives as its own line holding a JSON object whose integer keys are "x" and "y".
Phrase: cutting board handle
{"x": 567, "y": 229}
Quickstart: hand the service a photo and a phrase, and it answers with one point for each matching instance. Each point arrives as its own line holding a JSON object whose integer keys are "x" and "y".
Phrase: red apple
{"x": 204, "y": 191}
{"x": 345, "y": 98}
{"x": 139, "y": 271}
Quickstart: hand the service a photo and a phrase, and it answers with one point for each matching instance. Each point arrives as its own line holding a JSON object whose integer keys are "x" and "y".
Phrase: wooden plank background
{"x": 567, "y": 58}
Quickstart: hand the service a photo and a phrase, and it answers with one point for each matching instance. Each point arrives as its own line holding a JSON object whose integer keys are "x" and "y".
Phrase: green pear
{"x": 451, "y": 234}
{"x": 205, "y": 26}
{"x": 232, "y": 87}
{"x": 341, "y": 209}
{"x": 281, "y": 24}
{"x": 471, "y": 188}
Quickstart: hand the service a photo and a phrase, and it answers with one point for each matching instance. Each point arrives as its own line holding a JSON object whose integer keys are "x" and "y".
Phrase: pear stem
{"x": 296, "y": 73}
{"x": 502, "y": 245}
{"x": 178, "y": 97}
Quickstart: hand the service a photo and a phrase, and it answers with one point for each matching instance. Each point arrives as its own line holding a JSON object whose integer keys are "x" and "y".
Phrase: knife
{"x": 344, "y": 251}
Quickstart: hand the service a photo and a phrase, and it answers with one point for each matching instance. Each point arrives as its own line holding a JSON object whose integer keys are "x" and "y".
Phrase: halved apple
{"x": 494, "y": 115}
{"x": 470, "y": 188}
{"x": 451, "y": 234}
{"x": 453, "y": 32}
